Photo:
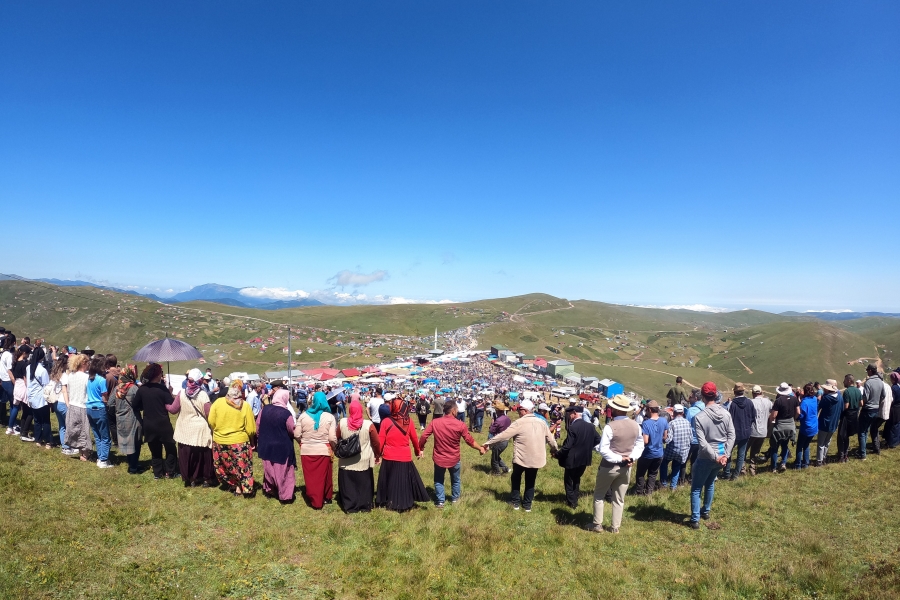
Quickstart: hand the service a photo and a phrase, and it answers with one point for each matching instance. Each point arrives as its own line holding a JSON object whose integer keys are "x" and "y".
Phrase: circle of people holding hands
{"x": 699, "y": 438}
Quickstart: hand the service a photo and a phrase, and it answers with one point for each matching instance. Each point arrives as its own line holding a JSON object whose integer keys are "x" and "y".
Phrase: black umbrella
{"x": 166, "y": 350}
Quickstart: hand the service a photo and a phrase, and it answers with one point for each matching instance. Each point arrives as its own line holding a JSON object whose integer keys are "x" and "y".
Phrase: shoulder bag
{"x": 348, "y": 447}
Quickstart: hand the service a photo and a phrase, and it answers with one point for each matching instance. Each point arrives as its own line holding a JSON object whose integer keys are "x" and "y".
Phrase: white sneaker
{"x": 9, "y": 431}
{"x": 104, "y": 465}
{"x": 26, "y": 438}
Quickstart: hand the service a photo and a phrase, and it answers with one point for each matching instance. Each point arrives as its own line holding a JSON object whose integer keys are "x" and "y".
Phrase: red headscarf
{"x": 355, "y": 413}
{"x": 400, "y": 411}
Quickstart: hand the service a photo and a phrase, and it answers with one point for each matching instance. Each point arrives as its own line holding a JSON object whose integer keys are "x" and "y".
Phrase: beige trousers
{"x": 616, "y": 479}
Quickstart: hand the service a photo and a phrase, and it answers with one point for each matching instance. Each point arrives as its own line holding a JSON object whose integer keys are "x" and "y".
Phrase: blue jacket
{"x": 830, "y": 407}
{"x": 695, "y": 409}
{"x": 809, "y": 421}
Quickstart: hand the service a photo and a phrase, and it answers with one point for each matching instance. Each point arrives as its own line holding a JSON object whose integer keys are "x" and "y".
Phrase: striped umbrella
{"x": 167, "y": 350}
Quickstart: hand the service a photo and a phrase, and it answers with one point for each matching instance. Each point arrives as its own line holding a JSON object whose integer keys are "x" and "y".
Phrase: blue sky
{"x": 729, "y": 154}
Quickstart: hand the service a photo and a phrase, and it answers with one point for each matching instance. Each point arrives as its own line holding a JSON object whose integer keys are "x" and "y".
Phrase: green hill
{"x": 791, "y": 351}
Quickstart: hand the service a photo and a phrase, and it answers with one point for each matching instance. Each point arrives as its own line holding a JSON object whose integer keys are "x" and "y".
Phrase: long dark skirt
{"x": 400, "y": 486}
{"x": 196, "y": 465}
{"x": 356, "y": 490}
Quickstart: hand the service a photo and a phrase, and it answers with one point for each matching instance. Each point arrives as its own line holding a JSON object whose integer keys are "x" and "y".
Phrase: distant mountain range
{"x": 839, "y": 316}
{"x": 208, "y": 292}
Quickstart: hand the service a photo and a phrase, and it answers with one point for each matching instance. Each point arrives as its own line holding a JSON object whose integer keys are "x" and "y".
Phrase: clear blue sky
{"x": 725, "y": 153}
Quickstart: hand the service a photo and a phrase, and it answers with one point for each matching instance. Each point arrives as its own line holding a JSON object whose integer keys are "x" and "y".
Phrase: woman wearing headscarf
{"x": 892, "y": 426}
{"x": 38, "y": 377}
{"x": 315, "y": 432}
{"x": 78, "y": 429}
{"x": 233, "y": 434}
{"x": 356, "y": 479}
{"x": 154, "y": 400}
{"x": 129, "y": 431}
{"x": 275, "y": 425}
{"x": 399, "y": 483}
{"x": 192, "y": 433}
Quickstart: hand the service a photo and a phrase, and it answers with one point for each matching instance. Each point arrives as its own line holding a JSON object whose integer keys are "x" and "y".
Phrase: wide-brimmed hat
{"x": 738, "y": 388}
{"x": 526, "y": 404}
{"x": 784, "y": 390}
{"x": 652, "y": 404}
{"x": 830, "y": 385}
{"x": 620, "y": 402}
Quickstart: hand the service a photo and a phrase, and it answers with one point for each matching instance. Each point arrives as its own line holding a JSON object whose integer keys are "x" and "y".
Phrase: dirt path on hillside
{"x": 745, "y": 366}
{"x": 517, "y": 316}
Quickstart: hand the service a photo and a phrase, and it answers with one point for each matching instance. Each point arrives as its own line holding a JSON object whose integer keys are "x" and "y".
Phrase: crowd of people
{"x": 106, "y": 412}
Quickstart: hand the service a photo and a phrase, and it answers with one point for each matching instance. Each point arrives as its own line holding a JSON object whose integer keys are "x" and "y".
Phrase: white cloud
{"x": 402, "y": 300}
{"x": 693, "y": 307}
{"x": 351, "y": 278}
{"x": 834, "y": 310}
{"x": 275, "y": 293}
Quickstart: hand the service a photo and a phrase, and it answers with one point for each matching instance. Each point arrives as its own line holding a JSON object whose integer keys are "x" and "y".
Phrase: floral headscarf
{"x": 127, "y": 377}
{"x": 400, "y": 411}
{"x": 235, "y": 394}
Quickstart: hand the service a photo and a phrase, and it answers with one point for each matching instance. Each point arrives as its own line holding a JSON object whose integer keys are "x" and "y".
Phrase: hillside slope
{"x": 795, "y": 352}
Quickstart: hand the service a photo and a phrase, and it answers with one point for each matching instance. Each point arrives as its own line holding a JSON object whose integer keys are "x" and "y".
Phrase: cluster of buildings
{"x": 559, "y": 369}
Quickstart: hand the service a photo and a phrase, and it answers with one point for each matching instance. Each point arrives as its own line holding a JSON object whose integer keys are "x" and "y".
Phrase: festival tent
{"x": 513, "y": 395}
{"x": 350, "y": 373}
{"x": 434, "y": 381}
{"x": 371, "y": 370}
{"x": 520, "y": 379}
{"x": 573, "y": 377}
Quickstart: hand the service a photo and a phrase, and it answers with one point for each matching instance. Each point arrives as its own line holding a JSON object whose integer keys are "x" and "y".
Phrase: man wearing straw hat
{"x": 620, "y": 445}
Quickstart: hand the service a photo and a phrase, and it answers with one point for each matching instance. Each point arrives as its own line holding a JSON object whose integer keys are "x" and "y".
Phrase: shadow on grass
{"x": 579, "y": 518}
{"x": 482, "y": 468}
{"x": 647, "y": 512}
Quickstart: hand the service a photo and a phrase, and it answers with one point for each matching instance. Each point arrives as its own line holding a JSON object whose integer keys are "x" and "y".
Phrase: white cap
{"x": 195, "y": 375}
{"x": 227, "y": 381}
{"x": 678, "y": 408}
{"x": 527, "y": 405}
{"x": 390, "y": 396}
{"x": 543, "y": 406}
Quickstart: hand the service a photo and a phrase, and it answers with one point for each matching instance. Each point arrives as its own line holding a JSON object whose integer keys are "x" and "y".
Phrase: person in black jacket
{"x": 743, "y": 414}
{"x": 576, "y": 453}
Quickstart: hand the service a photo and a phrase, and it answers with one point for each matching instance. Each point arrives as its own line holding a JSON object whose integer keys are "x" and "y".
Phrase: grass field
{"x": 70, "y": 530}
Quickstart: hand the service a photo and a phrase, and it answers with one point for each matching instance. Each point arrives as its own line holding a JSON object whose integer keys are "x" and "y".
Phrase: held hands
{"x": 722, "y": 460}
{"x": 482, "y": 450}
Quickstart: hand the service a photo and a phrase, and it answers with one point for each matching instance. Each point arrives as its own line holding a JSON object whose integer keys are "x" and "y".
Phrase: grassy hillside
{"x": 772, "y": 536}
{"x": 792, "y": 351}
{"x": 885, "y": 333}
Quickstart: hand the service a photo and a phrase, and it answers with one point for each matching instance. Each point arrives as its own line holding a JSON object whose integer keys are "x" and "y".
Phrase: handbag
{"x": 348, "y": 447}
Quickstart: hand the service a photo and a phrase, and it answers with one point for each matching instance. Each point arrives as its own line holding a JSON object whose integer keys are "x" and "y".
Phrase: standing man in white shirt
{"x": 620, "y": 445}
{"x": 376, "y": 401}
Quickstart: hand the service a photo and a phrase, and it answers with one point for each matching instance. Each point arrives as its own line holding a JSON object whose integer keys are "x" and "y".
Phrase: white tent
{"x": 520, "y": 379}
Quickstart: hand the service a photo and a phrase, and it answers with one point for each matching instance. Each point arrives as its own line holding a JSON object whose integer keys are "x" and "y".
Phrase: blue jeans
{"x": 677, "y": 470}
{"x": 100, "y": 428}
{"x": 13, "y": 414}
{"x": 455, "y": 487}
{"x": 61, "y": 409}
{"x": 802, "y": 459}
{"x": 866, "y": 418}
{"x": 479, "y": 420}
{"x": 782, "y": 449}
{"x": 703, "y": 479}
{"x": 741, "y": 446}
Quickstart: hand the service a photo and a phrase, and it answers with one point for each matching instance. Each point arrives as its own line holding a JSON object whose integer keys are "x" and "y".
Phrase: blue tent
{"x": 513, "y": 395}
{"x": 435, "y": 381}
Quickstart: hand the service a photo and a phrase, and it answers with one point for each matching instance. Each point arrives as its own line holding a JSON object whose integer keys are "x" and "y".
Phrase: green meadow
{"x": 70, "y": 530}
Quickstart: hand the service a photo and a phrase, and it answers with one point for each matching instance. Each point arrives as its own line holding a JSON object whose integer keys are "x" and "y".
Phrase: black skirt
{"x": 400, "y": 486}
{"x": 356, "y": 490}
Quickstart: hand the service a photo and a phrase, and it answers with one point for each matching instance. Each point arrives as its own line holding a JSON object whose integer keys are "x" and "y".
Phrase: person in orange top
{"x": 399, "y": 483}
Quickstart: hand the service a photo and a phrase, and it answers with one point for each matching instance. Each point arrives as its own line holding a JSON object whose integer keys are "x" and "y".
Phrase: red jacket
{"x": 395, "y": 444}
{"x": 447, "y": 433}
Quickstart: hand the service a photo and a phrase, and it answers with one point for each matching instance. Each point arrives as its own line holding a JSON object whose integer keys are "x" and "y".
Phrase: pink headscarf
{"x": 281, "y": 398}
{"x": 355, "y": 411}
